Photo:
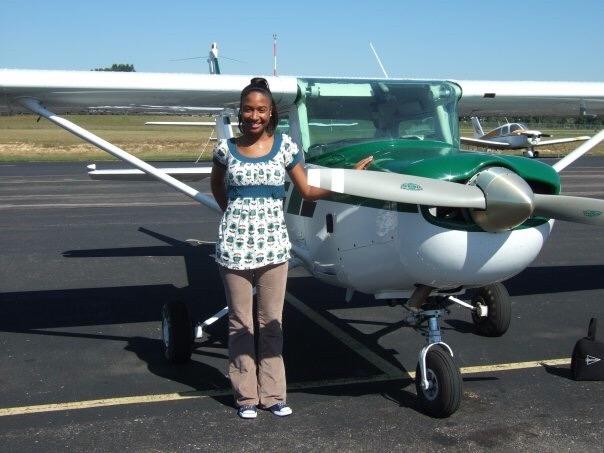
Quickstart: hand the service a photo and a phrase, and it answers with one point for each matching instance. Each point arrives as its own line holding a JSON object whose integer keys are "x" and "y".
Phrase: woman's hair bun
{"x": 260, "y": 82}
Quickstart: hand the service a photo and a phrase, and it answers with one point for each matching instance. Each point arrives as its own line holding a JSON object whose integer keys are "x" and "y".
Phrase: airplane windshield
{"x": 346, "y": 111}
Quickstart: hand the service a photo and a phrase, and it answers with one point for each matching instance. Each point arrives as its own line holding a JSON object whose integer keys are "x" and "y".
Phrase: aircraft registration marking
{"x": 179, "y": 396}
{"x": 411, "y": 186}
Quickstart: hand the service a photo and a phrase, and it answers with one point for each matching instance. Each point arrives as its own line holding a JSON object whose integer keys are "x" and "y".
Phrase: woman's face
{"x": 255, "y": 113}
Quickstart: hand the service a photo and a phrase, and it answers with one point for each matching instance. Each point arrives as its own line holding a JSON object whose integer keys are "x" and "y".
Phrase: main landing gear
{"x": 437, "y": 377}
{"x": 179, "y": 333}
{"x": 531, "y": 153}
{"x": 495, "y": 301}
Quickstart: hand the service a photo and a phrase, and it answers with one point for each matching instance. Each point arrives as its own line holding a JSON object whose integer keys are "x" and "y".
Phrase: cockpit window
{"x": 515, "y": 127}
{"x": 337, "y": 111}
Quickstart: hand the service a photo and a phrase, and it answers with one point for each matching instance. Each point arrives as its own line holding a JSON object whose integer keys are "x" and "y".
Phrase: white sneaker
{"x": 247, "y": 411}
{"x": 281, "y": 409}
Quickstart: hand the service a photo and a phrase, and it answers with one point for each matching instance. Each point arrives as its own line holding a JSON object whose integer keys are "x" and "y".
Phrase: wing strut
{"x": 573, "y": 156}
{"x": 35, "y": 106}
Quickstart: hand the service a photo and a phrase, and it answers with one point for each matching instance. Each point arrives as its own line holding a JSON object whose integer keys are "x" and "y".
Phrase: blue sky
{"x": 536, "y": 40}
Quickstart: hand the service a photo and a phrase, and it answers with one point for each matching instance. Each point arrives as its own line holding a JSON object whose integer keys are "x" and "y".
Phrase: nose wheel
{"x": 437, "y": 376}
{"x": 442, "y": 396}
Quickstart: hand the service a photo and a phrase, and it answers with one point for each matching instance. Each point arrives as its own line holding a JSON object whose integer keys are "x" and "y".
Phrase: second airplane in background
{"x": 513, "y": 136}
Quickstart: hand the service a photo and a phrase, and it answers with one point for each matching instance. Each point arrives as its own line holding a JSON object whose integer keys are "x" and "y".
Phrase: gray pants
{"x": 256, "y": 379}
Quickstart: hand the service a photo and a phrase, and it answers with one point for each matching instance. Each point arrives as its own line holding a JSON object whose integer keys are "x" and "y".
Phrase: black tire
{"x": 443, "y": 396}
{"x": 177, "y": 332}
{"x": 499, "y": 310}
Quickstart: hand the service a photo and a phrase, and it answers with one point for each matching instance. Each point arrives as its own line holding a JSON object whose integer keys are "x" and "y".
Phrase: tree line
{"x": 118, "y": 67}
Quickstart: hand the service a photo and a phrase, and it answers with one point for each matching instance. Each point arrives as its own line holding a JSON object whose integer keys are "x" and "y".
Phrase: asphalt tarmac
{"x": 87, "y": 265}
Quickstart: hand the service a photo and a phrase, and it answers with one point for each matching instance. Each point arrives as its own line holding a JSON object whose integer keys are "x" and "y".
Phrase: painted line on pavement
{"x": 97, "y": 205}
{"x": 180, "y": 396}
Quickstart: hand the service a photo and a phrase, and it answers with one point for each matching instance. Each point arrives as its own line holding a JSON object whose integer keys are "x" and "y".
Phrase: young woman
{"x": 253, "y": 247}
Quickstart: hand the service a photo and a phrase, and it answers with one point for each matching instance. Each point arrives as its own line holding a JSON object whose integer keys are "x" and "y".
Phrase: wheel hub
{"x": 165, "y": 328}
{"x": 432, "y": 391}
{"x": 482, "y": 310}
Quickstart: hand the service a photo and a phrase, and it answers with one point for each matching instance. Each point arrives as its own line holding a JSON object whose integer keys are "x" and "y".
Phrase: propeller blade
{"x": 397, "y": 187}
{"x": 571, "y": 209}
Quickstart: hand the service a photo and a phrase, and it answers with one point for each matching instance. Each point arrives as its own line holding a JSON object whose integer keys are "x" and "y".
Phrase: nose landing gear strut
{"x": 437, "y": 376}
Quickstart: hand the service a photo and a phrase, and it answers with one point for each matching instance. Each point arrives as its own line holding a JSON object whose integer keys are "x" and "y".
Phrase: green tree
{"x": 119, "y": 67}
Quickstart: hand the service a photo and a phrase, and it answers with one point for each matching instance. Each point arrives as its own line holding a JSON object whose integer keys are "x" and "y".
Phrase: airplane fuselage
{"x": 385, "y": 252}
{"x": 515, "y": 141}
{"x": 387, "y": 248}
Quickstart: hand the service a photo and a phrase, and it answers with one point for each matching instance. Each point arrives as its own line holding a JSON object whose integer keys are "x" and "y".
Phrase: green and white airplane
{"x": 426, "y": 222}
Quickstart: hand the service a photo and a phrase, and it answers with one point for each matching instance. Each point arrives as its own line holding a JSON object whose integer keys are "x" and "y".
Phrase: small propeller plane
{"x": 514, "y": 136}
{"x": 427, "y": 224}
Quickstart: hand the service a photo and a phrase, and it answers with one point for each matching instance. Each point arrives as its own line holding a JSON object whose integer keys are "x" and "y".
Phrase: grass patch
{"x": 23, "y": 139}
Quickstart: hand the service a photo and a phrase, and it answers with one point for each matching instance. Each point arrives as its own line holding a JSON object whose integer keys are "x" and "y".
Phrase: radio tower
{"x": 274, "y": 54}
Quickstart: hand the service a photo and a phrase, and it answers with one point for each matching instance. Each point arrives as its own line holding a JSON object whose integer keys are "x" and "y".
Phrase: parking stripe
{"x": 196, "y": 394}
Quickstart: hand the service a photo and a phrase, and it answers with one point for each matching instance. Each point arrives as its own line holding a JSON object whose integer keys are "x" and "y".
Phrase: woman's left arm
{"x": 298, "y": 177}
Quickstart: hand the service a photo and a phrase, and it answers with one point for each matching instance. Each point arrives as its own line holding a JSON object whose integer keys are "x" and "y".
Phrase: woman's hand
{"x": 364, "y": 163}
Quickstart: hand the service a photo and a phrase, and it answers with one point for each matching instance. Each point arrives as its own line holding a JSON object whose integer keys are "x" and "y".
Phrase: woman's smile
{"x": 255, "y": 112}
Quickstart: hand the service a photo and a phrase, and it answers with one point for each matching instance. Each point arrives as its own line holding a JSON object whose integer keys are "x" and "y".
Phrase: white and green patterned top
{"x": 252, "y": 232}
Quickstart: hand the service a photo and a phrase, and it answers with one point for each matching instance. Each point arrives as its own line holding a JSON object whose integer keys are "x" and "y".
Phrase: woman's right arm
{"x": 218, "y": 186}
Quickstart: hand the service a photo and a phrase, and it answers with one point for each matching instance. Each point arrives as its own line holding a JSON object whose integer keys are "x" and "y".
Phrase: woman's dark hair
{"x": 260, "y": 85}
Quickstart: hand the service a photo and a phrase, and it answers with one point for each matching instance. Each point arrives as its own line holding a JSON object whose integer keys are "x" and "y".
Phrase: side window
{"x": 422, "y": 128}
{"x": 514, "y": 127}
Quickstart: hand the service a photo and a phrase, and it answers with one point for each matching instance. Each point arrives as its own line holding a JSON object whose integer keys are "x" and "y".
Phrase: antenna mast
{"x": 274, "y": 54}
{"x": 378, "y": 60}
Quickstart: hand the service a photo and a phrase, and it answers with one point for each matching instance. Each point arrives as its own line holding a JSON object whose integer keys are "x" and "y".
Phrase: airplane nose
{"x": 510, "y": 200}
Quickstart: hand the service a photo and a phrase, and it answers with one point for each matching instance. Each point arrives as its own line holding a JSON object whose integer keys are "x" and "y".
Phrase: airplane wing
{"x": 100, "y": 91}
{"x": 181, "y": 123}
{"x": 564, "y": 140}
{"x": 485, "y": 143}
{"x": 187, "y": 123}
{"x": 133, "y": 174}
{"x": 482, "y": 97}
{"x": 132, "y": 92}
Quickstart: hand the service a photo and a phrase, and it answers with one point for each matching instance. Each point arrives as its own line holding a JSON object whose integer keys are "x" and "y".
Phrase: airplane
{"x": 427, "y": 224}
{"x": 212, "y": 59}
{"x": 513, "y": 136}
